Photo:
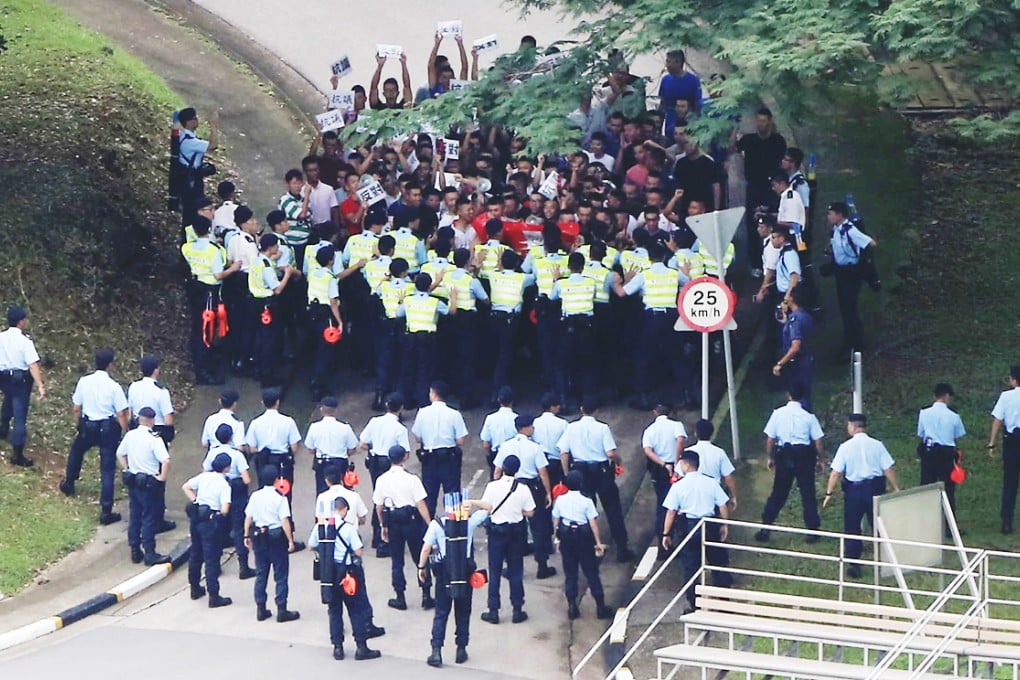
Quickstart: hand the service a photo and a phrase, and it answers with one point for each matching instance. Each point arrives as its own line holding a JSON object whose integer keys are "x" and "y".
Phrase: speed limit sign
{"x": 706, "y": 304}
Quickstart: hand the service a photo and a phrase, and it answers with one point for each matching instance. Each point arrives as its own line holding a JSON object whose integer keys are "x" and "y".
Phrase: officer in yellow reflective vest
{"x": 464, "y": 327}
{"x": 575, "y": 363}
{"x": 704, "y": 263}
{"x": 408, "y": 246}
{"x": 359, "y": 250}
{"x": 390, "y": 334}
{"x": 659, "y": 286}
{"x": 545, "y": 264}
{"x": 507, "y": 297}
{"x": 421, "y": 311}
{"x": 488, "y": 254}
{"x": 595, "y": 268}
{"x": 264, "y": 289}
{"x": 207, "y": 262}
{"x": 323, "y": 313}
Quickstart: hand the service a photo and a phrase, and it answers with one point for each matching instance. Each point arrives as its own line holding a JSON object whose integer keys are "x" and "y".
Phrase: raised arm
{"x": 432, "y": 60}
{"x": 373, "y": 89}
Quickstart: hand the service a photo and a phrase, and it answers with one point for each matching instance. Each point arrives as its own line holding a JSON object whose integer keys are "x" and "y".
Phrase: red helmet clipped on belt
{"x": 351, "y": 478}
{"x": 478, "y": 579}
{"x": 958, "y": 475}
{"x": 619, "y": 470}
{"x": 533, "y": 317}
{"x": 331, "y": 334}
{"x": 222, "y": 327}
{"x": 559, "y": 490}
{"x": 349, "y": 584}
{"x": 282, "y": 485}
{"x": 208, "y": 327}
{"x": 266, "y": 317}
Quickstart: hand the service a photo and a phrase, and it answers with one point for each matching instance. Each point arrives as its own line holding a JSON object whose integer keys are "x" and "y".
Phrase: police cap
{"x": 330, "y": 401}
{"x": 523, "y": 421}
{"x": 397, "y": 453}
{"x": 242, "y": 214}
{"x": 267, "y": 241}
{"x": 267, "y": 474}
{"x": 511, "y": 464}
{"x": 187, "y": 114}
{"x": 146, "y": 412}
{"x": 222, "y": 462}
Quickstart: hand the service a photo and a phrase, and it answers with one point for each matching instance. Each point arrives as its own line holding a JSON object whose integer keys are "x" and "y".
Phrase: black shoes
{"x": 109, "y": 518}
{"x": 397, "y": 602}
{"x": 1007, "y": 526}
{"x": 198, "y": 592}
{"x": 217, "y": 601}
{"x": 461, "y": 655}
{"x": 428, "y": 602}
{"x": 545, "y": 571}
{"x": 154, "y": 557}
{"x": 625, "y": 555}
{"x": 572, "y": 611}
{"x": 19, "y": 458}
{"x": 374, "y": 631}
{"x": 854, "y": 571}
{"x": 435, "y": 658}
{"x": 519, "y": 616}
{"x": 603, "y": 612}
{"x": 167, "y": 525}
{"x": 136, "y": 555}
{"x": 491, "y": 616}
{"x": 262, "y": 614}
{"x": 364, "y": 653}
{"x": 762, "y": 535}
{"x": 245, "y": 572}
{"x": 338, "y": 652}
{"x": 285, "y": 615}
{"x": 66, "y": 487}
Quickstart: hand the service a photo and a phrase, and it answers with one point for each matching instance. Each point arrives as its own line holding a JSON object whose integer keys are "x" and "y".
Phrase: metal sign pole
{"x": 704, "y": 376}
{"x": 731, "y": 389}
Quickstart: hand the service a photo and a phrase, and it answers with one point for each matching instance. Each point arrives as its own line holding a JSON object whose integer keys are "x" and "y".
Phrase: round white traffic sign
{"x": 706, "y": 304}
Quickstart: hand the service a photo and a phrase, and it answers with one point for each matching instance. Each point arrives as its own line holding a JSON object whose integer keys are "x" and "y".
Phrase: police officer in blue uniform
{"x": 846, "y": 244}
{"x": 441, "y": 432}
{"x": 697, "y": 496}
{"x": 576, "y": 524}
{"x": 209, "y": 512}
{"x": 794, "y": 449}
{"x": 938, "y": 428}
{"x": 1006, "y": 417}
{"x": 797, "y": 364}
{"x": 863, "y": 465}
{"x": 101, "y": 411}
{"x": 660, "y": 442}
{"x": 145, "y": 463}
{"x": 149, "y": 392}
{"x": 19, "y": 368}
{"x": 239, "y": 479}
{"x": 380, "y": 434}
{"x": 268, "y": 531}
{"x": 192, "y": 155}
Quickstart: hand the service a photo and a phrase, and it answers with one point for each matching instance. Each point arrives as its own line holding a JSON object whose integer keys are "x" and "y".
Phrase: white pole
{"x": 858, "y": 374}
{"x": 731, "y": 389}
{"x": 704, "y": 376}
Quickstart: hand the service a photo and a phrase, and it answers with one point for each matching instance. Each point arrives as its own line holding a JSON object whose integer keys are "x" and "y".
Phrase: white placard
{"x": 341, "y": 99}
{"x": 370, "y": 194}
{"x": 389, "y": 50}
{"x": 550, "y": 187}
{"x": 331, "y": 120}
{"x": 550, "y": 60}
{"x": 485, "y": 44}
{"x": 457, "y": 85}
{"x": 451, "y": 149}
{"x": 341, "y": 66}
{"x": 450, "y": 28}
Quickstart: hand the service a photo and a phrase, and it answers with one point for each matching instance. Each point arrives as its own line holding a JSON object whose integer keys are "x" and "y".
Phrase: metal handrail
{"x": 948, "y": 639}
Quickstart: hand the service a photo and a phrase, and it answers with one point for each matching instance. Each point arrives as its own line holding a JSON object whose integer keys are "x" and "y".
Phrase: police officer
{"x": 498, "y": 427}
{"x": 596, "y": 269}
{"x": 797, "y": 364}
{"x": 587, "y": 445}
{"x": 508, "y": 502}
{"x": 207, "y": 262}
{"x": 714, "y": 461}
{"x": 226, "y": 415}
{"x": 863, "y": 464}
{"x": 846, "y": 245}
{"x": 274, "y": 438}
{"x": 507, "y": 287}
{"x": 379, "y": 436}
{"x": 549, "y": 427}
{"x": 464, "y": 325}
{"x": 794, "y": 449}
{"x": 209, "y": 511}
{"x": 144, "y": 459}
{"x": 421, "y": 312}
{"x": 534, "y": 474}
{"x": 575, "y": 361}
{"x": 576, "y": 524}
{"x": 323, "y": 313}
{"x": 148, "y": 392}
{"x": 101, "y": 412}
{"x": 330, "y": 441}
{"x": 19, "y": 368}
{"x": 390, "y": 330}
{"x": 347, "y": 552}
{"x": 441, "y": 432}
{"x": 661, "y": 442}
{"x": 354, "y": 291}
{"x": 1006, "y": 417}
{"x": 268, "y": 531}
{"x": 788, "y": 270}
{"x": 192, "y": 155}
{"x": 399, "y": 499}
{"x": 264, "y": 290}
{"x": 544, "y": 262}
{"x": 239, "y": 480}
{"x": 437, "y": 555}
{"x": 938, "y": 428}
{"x": 695, "y": 497}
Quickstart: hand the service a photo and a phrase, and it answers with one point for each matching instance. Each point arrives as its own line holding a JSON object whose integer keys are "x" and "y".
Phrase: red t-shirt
{"x": 521, "y": 236}
{"x": 348, "y": 209}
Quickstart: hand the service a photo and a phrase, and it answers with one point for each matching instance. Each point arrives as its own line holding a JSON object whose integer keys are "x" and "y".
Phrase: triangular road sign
{"x": 725, "y": 221}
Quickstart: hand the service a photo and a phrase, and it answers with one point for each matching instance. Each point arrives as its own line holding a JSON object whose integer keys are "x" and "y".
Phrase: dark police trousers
{"x": 1010, "y": 473}
{"x": 143, "y": 507}
{"x": 541, "y": 521}
{"x": 376, "y": 466}
{"x": 389, "y": 353}
{"x": 577, "y": 548}
{"x": 936, "y": 466}
{"x": 690, "y": 555}
{"x": 405, "y": 528}
{"x": 419, "y": 367}
{"x": 600, "y": 479}
{"x": 464, "y": 324}
{"x": 268, "y": 343}
{"x": 238, "y": 503}
{"x": 660, "y": 483}
{"x": 547, "y": 332}
{"x": 575, "y": 365}
{"x": 661, "y": 349}
{"x": 504, "y": 328}
{"x": 271, "y": 551}
{"x": 284, "y": 464}
{"x": 320, "y": 317}
{"x": 800, "y": 373}
{"x": 106, "y": 435}
{"x": 201, "y": 296}
{"x": 17, "y": 389}
{"x": 460, "y": 606}
{"x": 358, "y": 608}
{"x": 794, "y": 462}
{"x": 439, "y": 467}
{"x": 506, "y": 546}
{"x": 206, "y": 547}
{"x": 319, "y": 468}
{"x": 848, "y": 290}
{"x": 858, "y": 505}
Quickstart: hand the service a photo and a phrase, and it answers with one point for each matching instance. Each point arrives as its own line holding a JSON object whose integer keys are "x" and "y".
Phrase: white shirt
{"x": 212, "y": 423}
{"x": 17, "y": 351}
{"x": 330, "y": 438}
{"x": 791, "y": 424}
{"x": 605, "y": 160}
{"x": 498, "y": 427}
{"x": 549, "y": 427}
{"x": 438, "y": 426}
{"x": 223, "y": 218}
{"x": 861, "y": 457}
{"x": 791, "y": 208}
{"x": 147, "y": 392}
{"x": 464, "y": 239}
{"x": 144, "y": 450}
{"x": 274, "y": 431}
{"x": 696, "y": 496}
{"x": 531, "y": 455}
{"x": 587, "y": 441}
{"x": 212, "y": 489}
{"x": 243, "y": 249}
{"x": 714, "y": 462}
{"x": 939, "y": 425}
{"x": 574, "y": 507}
{"x": 321, "y": 202}
{"x": 238, "y": 463}
{"x": 267, "y": 507}
{"x": 383, "y": 432}
{"x": 99, "y": 396}
{"x": 1007, "y": 409}
{"x": 398, "y": 488}
{"x": 519, "y": 502}
{"x": 663, "y": 436}
{"x": 324, "y": 504}
{"x": 770, "y": 255}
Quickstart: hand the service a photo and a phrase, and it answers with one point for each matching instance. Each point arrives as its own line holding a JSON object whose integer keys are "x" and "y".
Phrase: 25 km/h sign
{"x": 706, "y": 304}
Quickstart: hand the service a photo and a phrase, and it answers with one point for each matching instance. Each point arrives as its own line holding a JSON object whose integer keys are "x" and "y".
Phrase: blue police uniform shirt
{"x": 346, "y": 554}
{"x": 17, "y": 351}
{"x": 662, "y": 437}
{"x": 695, "y": 495}
{"x": 587, "y": 441}
{"x": 144, "y": 450}
{"x": 861, "y": 457}
{"x": 939, "y": 425}
{"x": 847, "y": 242}
{"x": 325, "y": 504}
{"x": 799, "y": 326}
{"x": 557, "y": 293}
{"x": 330, "y": 438}
{"x": 213, "y": 422}
{"x": 148, "y": 392}
{"x": 791, "y": 424}
{"x": 238, "y": 463}
{"x": 549, "y": 427}
{"x": 99, "y": 396}
{"x": 574, "y": 507}
{"x": 498, "y": 427}
{"x": 714, "y": 462}
{"x": 438, "y": 426}
{"x": 530, "y": 454}
{"x": 788, "y": 265}
{"x": 267, "y": 507}
{"x": 274, "y": 431}
{"x": 435, "y": 534}
{"x": 383, "y": 432}
{"x": 192, "y": 149}
{"x": 1007, "y": 409}
{"x": 212, "y": 489}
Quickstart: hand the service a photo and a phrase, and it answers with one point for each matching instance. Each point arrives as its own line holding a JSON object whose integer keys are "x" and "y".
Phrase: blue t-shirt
{"x": 672, "y": 88}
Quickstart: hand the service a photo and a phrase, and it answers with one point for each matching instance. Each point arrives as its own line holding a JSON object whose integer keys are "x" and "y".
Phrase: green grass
{"x": 89, "y": 250}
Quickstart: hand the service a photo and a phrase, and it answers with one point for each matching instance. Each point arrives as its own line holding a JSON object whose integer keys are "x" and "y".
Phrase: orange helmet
{"x": 478, "y": 579}
{"x": 282, "y": 485}
{"x": 351, "y": 478}
{"x": 559, "y": 490}
{"x": 266, "y": 317}
{"x": 958, "y": 475}
{"x": 349, "y": 584}
{"x": 331, "y": 334}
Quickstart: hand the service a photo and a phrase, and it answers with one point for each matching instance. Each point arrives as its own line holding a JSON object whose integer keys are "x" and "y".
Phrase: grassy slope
{"x": 87, "y": 248}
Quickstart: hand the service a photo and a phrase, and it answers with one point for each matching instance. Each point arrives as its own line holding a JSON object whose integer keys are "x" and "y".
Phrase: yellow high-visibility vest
{"x": 462, "y": 285}
{"x": 421, "y": 312}
{"x": 631, "y": 260}
{"x": 490, "y": 263}
{"x": 256, "y": 286}
{"x": 376, "y": 271}
{"x": 202, "y": 261}
{"x": 407, "y": 247}
{"x": 661, "y": 288}
{"x": 362, "y": 246}
{"x": 703, "y": 264}
{"x": 544, "y": 271}
{"x": 608, "y": 261}
{"x": 391, "y": 294}
{"x": 318, "y": 285}
{"x": 578, "y": 296}
{"x": 597, "y": 272}
{"x": 507, "y": 288}
{"x": 432, "y": 268}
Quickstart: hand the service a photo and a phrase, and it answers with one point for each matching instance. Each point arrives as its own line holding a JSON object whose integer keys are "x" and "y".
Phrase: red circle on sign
{"x": 716, "y": 311}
